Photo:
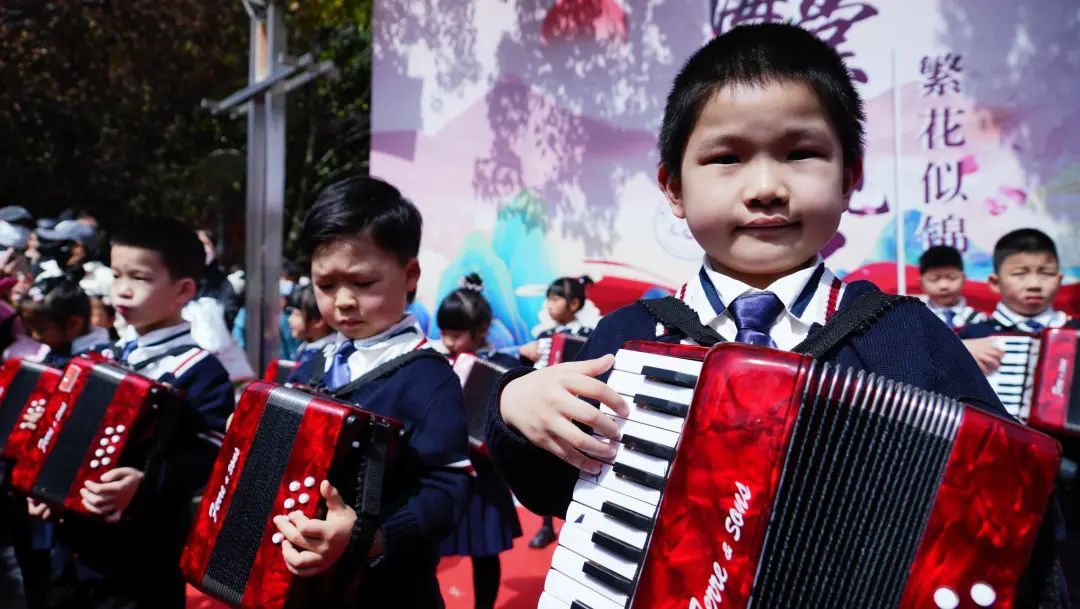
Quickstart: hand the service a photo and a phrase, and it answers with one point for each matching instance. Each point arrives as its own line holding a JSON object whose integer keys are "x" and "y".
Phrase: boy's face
{"x": 462, "y": 341}
{"x": 143, "y": 292}
{"x": 361, "y": 288}
{"x": 943, "y": 285}
{"x": 1027, "y": 282}
{"x": 55, "y": 335}
{"x": 763, "y": 182}
{"x": 303, "y": 328}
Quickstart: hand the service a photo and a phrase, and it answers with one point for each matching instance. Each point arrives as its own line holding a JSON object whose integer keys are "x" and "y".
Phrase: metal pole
{"x": 265, "y": 190}
{"x": 898, "y": 194}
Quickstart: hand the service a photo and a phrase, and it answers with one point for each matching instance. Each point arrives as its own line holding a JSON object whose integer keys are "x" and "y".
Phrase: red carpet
{"x": 523, "y": 571}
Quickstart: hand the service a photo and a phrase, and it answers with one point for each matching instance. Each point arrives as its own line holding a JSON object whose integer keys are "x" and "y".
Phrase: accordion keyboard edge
{"x": 774, "y": 481}
{"x": 25, "y": 388}
{"x": 282, "y": 443}
{"x": 478, "y": 378}
{"x": 99, "y": 417}
{"x": 1014, "y": 380}
{"x": 1055, "y": 404}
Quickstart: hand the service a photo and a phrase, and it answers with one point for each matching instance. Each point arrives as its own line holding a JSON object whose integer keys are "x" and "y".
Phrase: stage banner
{"x": 525, "y": 131}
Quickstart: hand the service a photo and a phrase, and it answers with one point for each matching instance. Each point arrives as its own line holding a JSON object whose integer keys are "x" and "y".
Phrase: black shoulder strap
{"x": 675, "y": 314}
{"x": 854, "y": 318}
{"x": 318, "y": 365}
{"x": 387, "y": 369}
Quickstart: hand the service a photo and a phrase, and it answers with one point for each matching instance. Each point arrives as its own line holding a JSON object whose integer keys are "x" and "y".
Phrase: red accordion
{"x": 1056, "y": 402}
{"x": 749, "y": 477}
{"x": 478, "y": 379}
{"x": 282, "y": 443}
{"x": 99, "y": 417}
{"x": 25, "y": 388}
{"x": 278, "y": 371}
{"x": 558, "y": 348}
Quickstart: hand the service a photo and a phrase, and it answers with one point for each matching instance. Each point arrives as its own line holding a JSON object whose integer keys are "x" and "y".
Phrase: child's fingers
{"x": 93, "y": 503}
{"x": 566, "y": 433}
{"x": 590, "y": 367}
{"x": 571, "y": 455}
{"x": 292, "y": 534}
{"x": 587, "y": 414}
{"x": 334, "y": 502}
{"x": 310, "y": 528}
{"x": 588, "y": 387}
{"x": 300, "y": 562}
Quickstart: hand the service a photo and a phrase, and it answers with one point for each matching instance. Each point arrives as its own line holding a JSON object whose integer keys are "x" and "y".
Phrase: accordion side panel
{"x": 15, "y": 378}
{"x": 707, "y": 542}
{"x": 118, "y": 429}
{"x": 986, "y": 516}
{"x": 41, "y": 440}
{"x": 324, "y": 426}
{"x": 1056, "y": 405}
{"x": 218, "y": 495}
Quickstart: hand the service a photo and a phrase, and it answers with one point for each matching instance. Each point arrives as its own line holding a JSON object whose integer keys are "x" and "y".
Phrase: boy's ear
{"x": 412, "y": 274}
{"x": 995, "y": 283}
{"x": 852, "y": 178}
{"x": 672, "y": 187}
{"x": 185, "y": 290}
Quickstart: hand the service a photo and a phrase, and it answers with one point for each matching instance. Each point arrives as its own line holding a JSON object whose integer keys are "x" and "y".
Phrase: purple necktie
{"x": 754, "y": 314}
{"x": 339, "y": 374}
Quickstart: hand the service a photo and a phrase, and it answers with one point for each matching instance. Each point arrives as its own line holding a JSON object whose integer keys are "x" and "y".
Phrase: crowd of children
{"x": 761, "y": 148}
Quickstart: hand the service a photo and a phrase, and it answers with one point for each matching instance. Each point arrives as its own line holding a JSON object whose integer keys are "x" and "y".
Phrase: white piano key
{"x": 564, "y": 589}
{"x": 572, "y": 566}
{"x": 648, "y": 417}
{"x": 580, "y": 541}
{"x": 594, "y": 496}
{"x": 633, "y": 361}
{"x": 643, "y": 431}
{"x": 608, "y": 479}
{"x": 646, "y": 463}
{"x": 585, "y": 517}
{"x": 631, "y": 384}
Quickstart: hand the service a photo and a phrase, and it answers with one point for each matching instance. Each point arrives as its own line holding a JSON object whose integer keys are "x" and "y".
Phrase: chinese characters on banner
{"x": 942, "y": 137}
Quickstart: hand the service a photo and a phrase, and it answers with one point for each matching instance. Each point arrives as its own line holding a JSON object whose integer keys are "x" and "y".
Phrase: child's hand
{"x": 111, "y": 496}
{"x": 30, "y": 419}
{"x": 986, "y": 353}
{"x": 543, "y": 406}
{"x": 529, "y": 351}
{"x": 312, "y": 546}
{"x": 38, "y": 510}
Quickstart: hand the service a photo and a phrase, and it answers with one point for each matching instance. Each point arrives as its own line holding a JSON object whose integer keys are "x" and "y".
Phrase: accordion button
{"x": 945, "y": 598}
{"x": 120, "y": 429}
{"x": 356, "y": 444}
{"x": 110, "y": 449}
{"x": 983, "y": 594}
{"x": 99, "y": 452}
{"x": 105, "y": 461}
{"x": 110, "y": 431}
{"x": 309, "y": 482}
{"x": 303, "y": 498}
{"x": 290, "y": 503}
{"x": 115, "y": 439}
{"x": 277, "y": 538}
{"x": 294, "y": 486}
{"x": 94, "y": 464}
{"x": 104, "y": 441}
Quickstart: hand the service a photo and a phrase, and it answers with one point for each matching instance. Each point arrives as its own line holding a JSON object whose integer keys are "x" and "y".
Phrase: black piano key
{"x": 643, "y": 478}
{"x": 579, "y": 605}
{"x": 661, "y": 405}
{"x": 608, "y": 577}
{"x": 617, "y": 546}
{"x": 648, "y": 447}
{"x": 681, "y": 379}
{"x": 627, "y": 517}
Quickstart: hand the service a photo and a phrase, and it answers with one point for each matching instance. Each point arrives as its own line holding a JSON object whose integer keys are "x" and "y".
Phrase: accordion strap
{"x": 855, "y": 318}
{"x": 675, "y": 314}
{"x": 386, "y": 370}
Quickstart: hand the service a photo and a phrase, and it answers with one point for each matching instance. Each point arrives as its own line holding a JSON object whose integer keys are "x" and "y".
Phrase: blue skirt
{"x": 491, "y": 523}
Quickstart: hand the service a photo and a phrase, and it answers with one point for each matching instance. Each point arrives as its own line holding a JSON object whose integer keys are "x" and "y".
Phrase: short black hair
{"x": 465, "y": 308}
{"x": 1023, "y": 241}
{"x": 59, "y": 301}
{"x": 180, "y": 249}
{"x": 759, "y": 54}
{"x": 941, "y": 256}
{"x": 363, "y": 205}
{"x": 303, "y": 299}
{"x": 569, "y": 288}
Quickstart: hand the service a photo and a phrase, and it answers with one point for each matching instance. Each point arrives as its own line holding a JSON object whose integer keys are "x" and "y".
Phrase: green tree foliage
{"x": 100, "y": 107}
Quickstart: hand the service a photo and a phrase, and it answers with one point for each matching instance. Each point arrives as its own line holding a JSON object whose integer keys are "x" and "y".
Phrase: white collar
{"x": 1048, "y": 318}
{"x": 96, "y": 336}
{"x": 155, "y": 337}
{"x": 406, "y": 330}
{"x": 960, "y": 305}
{"x": 787, "y": 288}
{"x": 320, "y": 343}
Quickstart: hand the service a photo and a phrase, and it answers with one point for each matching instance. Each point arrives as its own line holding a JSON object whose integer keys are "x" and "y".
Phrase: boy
{"x": 58, "y": 315}
{"x": 760, "y": 147}
{"x": 306, "y": 323}
{"x": 941, "y": 273}
{"x": 1027, "y": 277}
{"x": 134, "y": 563}
{"x": 363, "y": 238}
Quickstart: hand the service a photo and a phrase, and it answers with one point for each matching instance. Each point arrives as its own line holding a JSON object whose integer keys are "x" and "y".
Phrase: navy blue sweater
{"x": 908, "y": 344}
{"x": 429, "y": 489}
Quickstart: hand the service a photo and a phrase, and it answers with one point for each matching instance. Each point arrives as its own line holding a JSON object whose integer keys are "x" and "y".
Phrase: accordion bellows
{"x": 792, "y": 483}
